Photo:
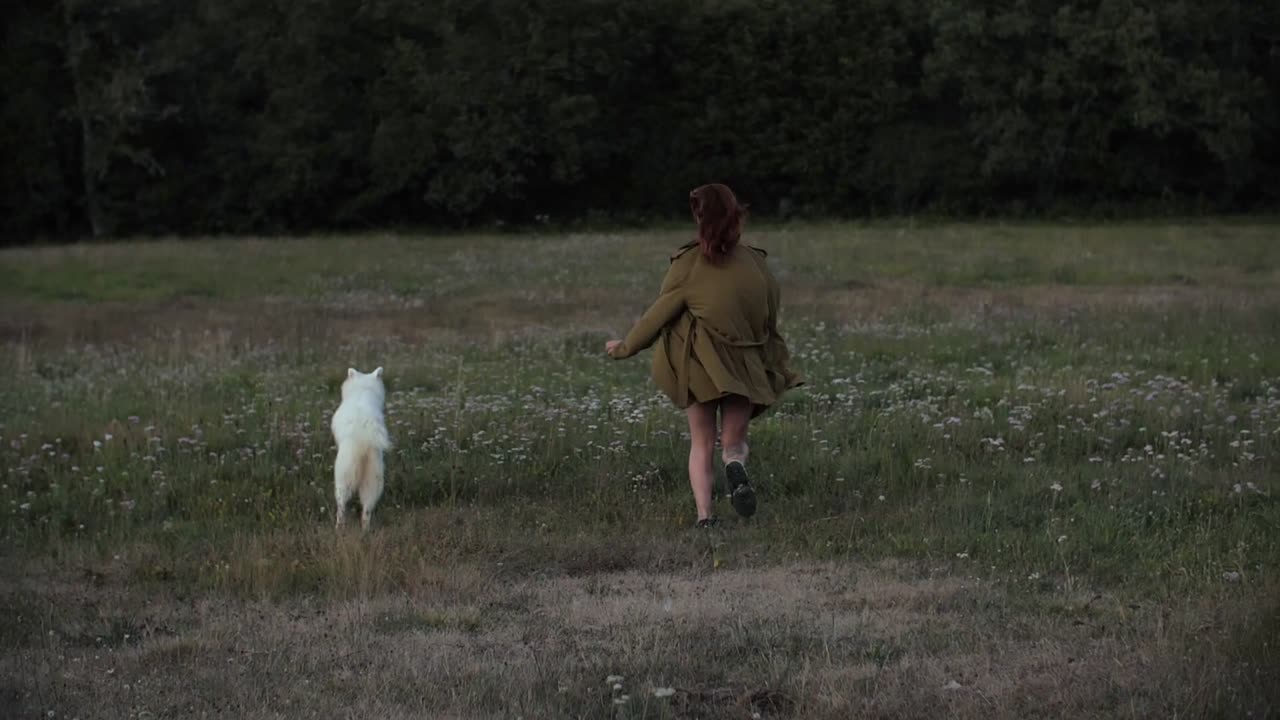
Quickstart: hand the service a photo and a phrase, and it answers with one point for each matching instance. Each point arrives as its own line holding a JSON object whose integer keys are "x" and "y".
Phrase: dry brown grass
{"x": 212, "y": 325}
{"x": 473, "y": 639}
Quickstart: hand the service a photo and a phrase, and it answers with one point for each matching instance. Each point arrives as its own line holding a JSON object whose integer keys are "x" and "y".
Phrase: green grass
{"x": 1052, "y": 411}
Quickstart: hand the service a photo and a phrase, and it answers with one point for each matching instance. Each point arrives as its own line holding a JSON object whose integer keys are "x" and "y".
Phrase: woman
{"x": 716, "y": 325}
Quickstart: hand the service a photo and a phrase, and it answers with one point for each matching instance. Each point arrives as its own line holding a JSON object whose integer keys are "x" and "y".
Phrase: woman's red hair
{"x": 719, "y": 218}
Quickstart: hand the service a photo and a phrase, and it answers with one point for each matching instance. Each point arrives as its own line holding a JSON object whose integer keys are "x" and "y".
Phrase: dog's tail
{"x": 357, "y": 466}
{"x": 369, "y": 466}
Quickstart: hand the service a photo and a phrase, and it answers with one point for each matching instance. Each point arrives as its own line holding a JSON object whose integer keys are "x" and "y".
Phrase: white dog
{"x": 361, "y": 433}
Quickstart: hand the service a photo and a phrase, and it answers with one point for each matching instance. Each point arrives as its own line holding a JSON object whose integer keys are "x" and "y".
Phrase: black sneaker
{"x": 741, "y": 495}
{"x": 705, "y": 523}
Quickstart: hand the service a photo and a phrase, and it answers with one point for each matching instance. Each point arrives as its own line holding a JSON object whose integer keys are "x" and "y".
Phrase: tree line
{"x": 208, "y": 116}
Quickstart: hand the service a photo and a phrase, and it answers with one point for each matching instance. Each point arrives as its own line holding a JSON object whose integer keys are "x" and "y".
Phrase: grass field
{"x": 1033, "y": 474}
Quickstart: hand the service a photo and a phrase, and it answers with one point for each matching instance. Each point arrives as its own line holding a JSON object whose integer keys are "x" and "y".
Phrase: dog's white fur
{"x": 360, "y": 430}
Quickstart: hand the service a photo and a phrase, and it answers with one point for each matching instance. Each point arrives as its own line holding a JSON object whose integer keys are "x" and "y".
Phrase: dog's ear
{"x": 378, "y": 372}
{"x": 351, "y": 372}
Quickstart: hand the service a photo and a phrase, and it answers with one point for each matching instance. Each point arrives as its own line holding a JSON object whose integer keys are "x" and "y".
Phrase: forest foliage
{"x": 221, "y": 116}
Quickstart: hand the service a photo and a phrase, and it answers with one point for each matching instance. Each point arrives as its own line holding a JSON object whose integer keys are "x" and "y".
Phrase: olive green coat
{"x": 716, "y": 328}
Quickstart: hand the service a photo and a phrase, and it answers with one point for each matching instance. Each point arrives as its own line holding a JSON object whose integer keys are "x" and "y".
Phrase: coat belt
{"x": 682, "y": 368}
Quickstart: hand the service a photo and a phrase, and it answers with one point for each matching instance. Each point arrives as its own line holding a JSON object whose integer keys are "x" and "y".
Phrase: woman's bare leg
{"x": 702, "y": 444}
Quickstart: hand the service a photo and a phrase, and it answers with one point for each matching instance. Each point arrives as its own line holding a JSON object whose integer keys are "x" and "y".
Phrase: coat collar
{"x": 693, "y": 244}
{"x": 684, "y": 249}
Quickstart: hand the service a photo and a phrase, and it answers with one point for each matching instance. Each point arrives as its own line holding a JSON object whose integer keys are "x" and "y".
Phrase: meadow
{"x": 1032, "y": 474}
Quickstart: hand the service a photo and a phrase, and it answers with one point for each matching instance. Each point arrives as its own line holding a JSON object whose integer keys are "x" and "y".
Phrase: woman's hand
{"x": 610, "y": 346}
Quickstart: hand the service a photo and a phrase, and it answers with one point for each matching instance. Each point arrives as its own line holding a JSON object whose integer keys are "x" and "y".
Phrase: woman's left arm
{"x": 670, "y": 303}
